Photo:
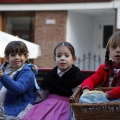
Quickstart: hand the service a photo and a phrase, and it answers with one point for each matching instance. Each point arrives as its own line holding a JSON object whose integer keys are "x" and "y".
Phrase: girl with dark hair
{"x": 60, "y": 82}
{"x": 108, "y": 74}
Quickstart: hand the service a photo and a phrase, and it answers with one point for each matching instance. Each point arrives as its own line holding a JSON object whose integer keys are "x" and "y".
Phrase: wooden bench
{"x": 43, "y": 71}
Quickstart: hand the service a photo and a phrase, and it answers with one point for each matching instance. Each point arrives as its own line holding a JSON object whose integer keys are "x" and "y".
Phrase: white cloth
{"x": 95, "y": 97}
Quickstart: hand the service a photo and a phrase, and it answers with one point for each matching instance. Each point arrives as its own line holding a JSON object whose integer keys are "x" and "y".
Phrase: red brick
{"x": 48, "y": 36}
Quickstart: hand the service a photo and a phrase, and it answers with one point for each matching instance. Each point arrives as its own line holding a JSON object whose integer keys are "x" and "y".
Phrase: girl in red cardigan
{"x": 108, "y": 74}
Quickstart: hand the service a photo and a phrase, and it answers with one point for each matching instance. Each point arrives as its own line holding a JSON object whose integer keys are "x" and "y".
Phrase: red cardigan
{"x": 98, "y": 79}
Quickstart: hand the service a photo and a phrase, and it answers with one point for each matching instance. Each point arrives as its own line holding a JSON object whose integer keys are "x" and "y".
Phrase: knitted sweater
{"x": 20, "y": 90}
{"x": 62, "y": 85}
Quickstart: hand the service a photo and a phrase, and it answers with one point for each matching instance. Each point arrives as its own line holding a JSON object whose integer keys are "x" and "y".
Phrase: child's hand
{"x": 85, "y": 90}
{"x": 1, "y": 72}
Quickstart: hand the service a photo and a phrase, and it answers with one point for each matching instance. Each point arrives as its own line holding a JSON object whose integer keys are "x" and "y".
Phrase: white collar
{"x": 60, "y": 73}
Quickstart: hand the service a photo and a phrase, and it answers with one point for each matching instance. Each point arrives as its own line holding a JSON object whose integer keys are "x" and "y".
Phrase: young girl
{"x": 59, "y": 81}
{"x": 16, "y": 80}
{"x": 108, "y": 74}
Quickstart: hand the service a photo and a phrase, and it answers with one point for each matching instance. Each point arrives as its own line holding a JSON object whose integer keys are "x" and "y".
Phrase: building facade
{"x": 87, "y": 24}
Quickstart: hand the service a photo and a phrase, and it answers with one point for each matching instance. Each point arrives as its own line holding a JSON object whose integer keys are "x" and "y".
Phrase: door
{"x": 105, "y": 30}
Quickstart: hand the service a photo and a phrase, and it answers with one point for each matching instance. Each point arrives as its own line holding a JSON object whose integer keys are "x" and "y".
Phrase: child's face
{"x": 64, "y": 58}
{"x": 115, "y": 53}
{"x": 16, "y": 60}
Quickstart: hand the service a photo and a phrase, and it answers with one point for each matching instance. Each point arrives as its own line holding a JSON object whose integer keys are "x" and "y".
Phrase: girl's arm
{"x": 113, "y": 93}
{"x": 96, "y": 79}
{"x": 23, "y": 82}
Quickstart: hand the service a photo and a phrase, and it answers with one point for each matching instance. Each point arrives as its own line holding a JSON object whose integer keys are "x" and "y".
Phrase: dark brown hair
{"x": 15, "y": 47}
{"x": 66, "y": 44}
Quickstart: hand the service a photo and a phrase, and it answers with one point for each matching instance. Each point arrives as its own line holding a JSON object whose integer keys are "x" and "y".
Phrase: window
{"x": 107, "y": 32}
{"x": 22, "y": 27}
{"x": 20, "y": 24}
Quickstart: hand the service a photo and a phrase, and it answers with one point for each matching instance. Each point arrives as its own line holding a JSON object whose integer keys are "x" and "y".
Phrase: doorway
{"x": 105, "y": 30}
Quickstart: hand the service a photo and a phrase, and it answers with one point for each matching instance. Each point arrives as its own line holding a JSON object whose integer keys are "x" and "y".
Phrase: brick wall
{"x": 49, "y": 35}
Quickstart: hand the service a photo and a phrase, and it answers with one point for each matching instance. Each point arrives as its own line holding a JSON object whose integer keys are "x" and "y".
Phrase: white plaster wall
{"x": 80, "y": 32}
{"x": 84, "y": 33}
{"x": 98, "y": 33}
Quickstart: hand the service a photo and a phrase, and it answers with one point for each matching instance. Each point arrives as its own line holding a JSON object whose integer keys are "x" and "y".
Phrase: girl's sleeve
{"x": 114, "y": 93}
{"x": 24, "y": 82}
{"x": 95, "y": 80}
